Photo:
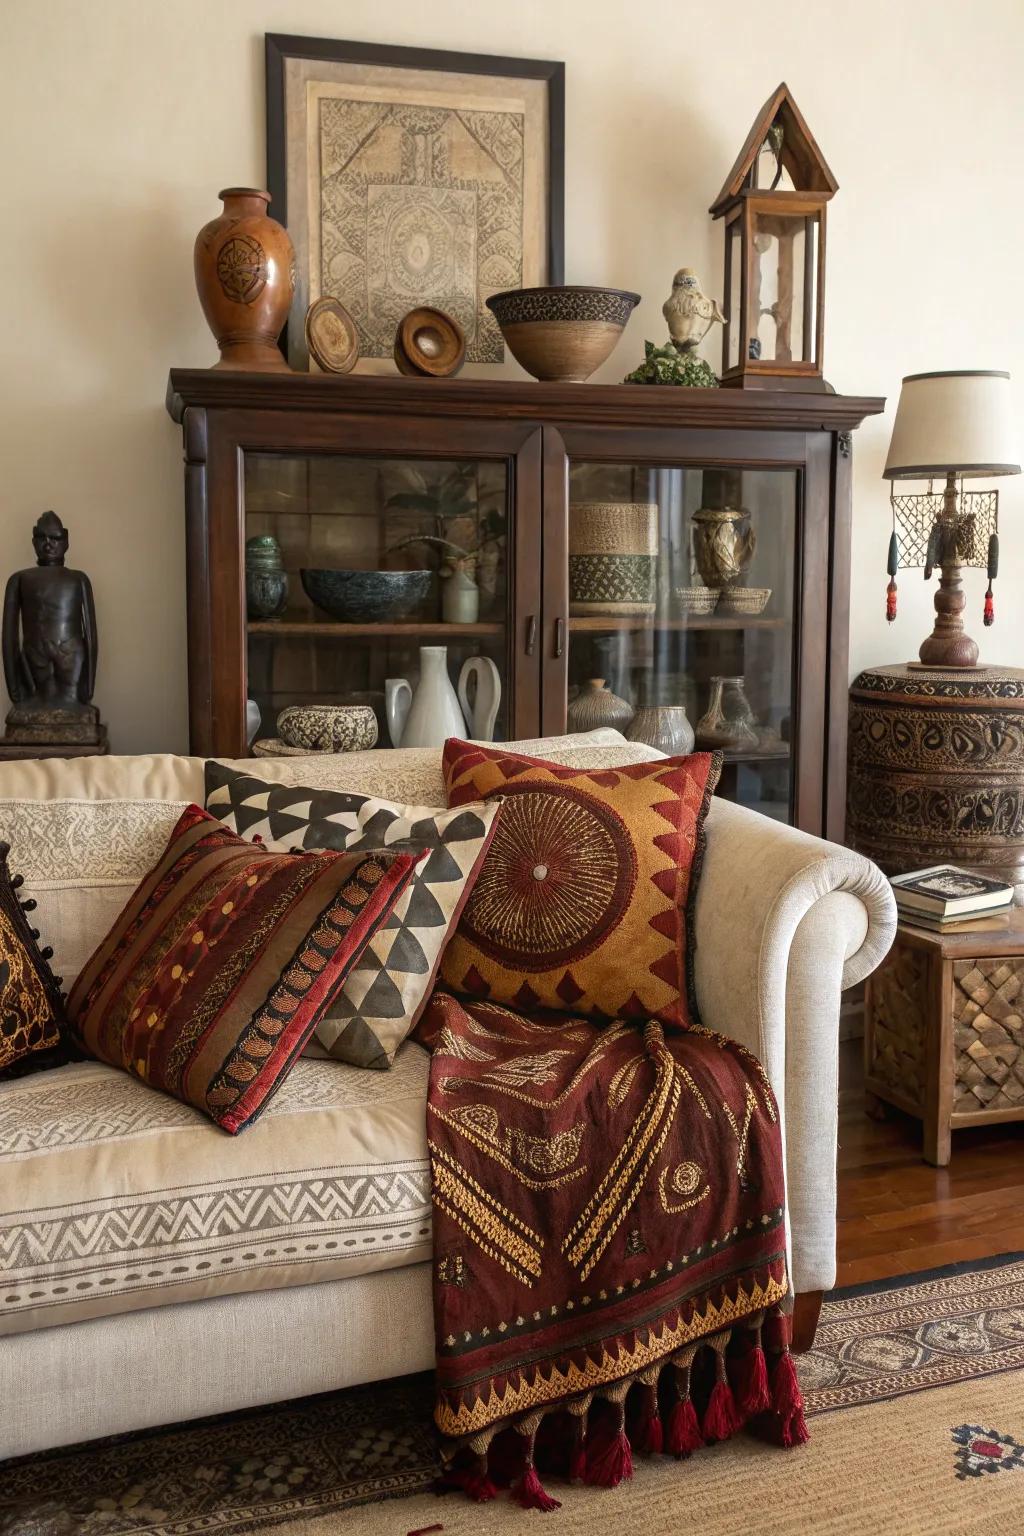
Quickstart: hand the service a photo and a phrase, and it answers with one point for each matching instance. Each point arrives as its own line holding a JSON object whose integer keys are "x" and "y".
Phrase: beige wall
{"x": 122, "y": 118}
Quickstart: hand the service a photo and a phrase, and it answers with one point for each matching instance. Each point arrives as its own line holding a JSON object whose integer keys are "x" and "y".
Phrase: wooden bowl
{"x": 562, "y": 334}
{"x": 429, "y": 342}
{"x": 332, "y": 336}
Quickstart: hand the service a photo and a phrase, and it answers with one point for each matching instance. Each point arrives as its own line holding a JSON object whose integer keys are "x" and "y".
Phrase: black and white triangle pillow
{"x": 386, "y": 991}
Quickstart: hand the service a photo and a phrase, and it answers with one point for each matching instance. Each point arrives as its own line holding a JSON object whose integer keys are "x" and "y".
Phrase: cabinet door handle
{"x": 559, "y": 635}
{"x": 531, "y": 634}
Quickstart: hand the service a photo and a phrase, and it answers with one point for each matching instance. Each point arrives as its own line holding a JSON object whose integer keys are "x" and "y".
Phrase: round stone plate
{"x": 331, "y": 336}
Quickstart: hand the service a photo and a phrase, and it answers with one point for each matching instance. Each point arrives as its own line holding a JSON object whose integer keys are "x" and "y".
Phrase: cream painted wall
{"x": 122, "y": 119}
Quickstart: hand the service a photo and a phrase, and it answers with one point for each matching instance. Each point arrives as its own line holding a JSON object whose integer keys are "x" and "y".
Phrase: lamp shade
{"x": 960, "y": 421}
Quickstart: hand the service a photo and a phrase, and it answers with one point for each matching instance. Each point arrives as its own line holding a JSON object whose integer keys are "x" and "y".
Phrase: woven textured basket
{"x": 613, "y": 528}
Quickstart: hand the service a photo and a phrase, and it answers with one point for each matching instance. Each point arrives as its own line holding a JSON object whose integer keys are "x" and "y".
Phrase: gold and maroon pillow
{"x": 584, "y": 900}
{"x": 31, "y": 1007}
{"x": 215, "y": 975}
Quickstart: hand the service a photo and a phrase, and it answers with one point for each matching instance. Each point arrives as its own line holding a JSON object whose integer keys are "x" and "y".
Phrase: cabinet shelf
{"x": 326, "y": 629}
{"x": 596, "y": 624}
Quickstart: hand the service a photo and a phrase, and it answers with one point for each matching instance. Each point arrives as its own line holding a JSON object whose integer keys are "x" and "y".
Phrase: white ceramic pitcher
{"x": 481, "y": 714}
{"x": 428, "y": 716}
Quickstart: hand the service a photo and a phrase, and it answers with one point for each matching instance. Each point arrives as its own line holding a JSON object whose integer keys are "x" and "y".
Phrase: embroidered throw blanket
{"x": 609, "y": 1246}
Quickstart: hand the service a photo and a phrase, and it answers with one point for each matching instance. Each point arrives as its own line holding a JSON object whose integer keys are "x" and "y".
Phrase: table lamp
{"x": 956, "y": 426}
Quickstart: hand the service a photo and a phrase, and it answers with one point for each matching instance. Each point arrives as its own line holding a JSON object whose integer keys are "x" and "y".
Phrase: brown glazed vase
{"x": 245, "y": 274}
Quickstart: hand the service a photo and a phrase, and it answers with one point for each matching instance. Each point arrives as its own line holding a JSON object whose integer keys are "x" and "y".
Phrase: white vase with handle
{"x": 483, "y": 675}
{"x": 428, "y": 715}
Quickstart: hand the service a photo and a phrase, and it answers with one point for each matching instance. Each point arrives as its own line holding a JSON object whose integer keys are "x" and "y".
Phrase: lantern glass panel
{"x": 733, "y": 292}
{"x": 783, "y": 287}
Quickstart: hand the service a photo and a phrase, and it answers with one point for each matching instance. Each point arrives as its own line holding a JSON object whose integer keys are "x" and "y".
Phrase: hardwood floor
{"x": 897, "y": 1214}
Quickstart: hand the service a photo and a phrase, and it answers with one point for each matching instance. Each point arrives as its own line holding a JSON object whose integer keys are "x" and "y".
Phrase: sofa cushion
{"x": 584, "y": 902}
{"x": 389, "y": 984}
{"x": 216, "y": 973}
{"x": 31, "y": 1008}
{"x": 114, "y": 1198}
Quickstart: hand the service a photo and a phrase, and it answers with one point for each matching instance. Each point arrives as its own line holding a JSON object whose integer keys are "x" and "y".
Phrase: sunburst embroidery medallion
{"x": 558, "y": 879}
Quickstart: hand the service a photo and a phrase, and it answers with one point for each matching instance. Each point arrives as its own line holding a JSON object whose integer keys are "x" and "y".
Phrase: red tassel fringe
{"x": 890, "y": 601}
{"x": 611, "y": 1463}
{"x": 750, "y": 1383}
{"x": 990, "y": 608}
{"x": 529, "y": 1492}
{"x": 684, "y": 1435}
{"x": 721, "y": 1420}
{"x": 747, "y": 1391}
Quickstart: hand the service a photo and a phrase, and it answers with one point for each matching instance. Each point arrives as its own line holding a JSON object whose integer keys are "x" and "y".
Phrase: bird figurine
{"x": 689, "y": 312}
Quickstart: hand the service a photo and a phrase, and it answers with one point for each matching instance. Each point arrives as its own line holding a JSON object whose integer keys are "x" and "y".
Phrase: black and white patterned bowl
{"x": 560, "y": 334}
{"x": 368, "y": 597}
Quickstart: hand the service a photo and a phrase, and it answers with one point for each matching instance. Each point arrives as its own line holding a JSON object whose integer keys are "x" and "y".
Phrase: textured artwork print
{"x": 420, "y": 205}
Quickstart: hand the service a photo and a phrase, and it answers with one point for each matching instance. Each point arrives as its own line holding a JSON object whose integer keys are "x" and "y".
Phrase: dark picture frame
{"x": 280, "y": 48}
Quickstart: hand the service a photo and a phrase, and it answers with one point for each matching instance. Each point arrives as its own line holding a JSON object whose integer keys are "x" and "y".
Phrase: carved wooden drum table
{"x": 944, "y": 1029}
{"x": 936, "y": 768}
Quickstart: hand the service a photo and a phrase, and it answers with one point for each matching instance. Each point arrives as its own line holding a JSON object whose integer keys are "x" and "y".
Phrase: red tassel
{"x": 684, "y": 1435}
{"x": 890, "y": 601}
{"x": 990, "y": 610}
{"x": 610, "y": 1463}
{"x": 474, "y": 1482}
{"x": 787, "y": 1402}
{"x": 721, "y": 1419}
{"x": 529, "y": 1491}
{"x": 750, "y": 1382}
{"x": 651, "y": 1436}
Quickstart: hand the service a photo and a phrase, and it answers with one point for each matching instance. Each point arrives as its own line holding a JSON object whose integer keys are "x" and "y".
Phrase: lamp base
{"x": 949, "y": 645}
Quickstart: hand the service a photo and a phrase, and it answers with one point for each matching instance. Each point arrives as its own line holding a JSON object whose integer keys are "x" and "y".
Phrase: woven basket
{"x": 699, "y": 600}
{"x": 613, "y": 528}
{"x": 744, "y": 600}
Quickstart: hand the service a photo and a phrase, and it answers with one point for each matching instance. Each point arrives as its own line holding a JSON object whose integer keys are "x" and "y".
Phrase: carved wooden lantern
{"x": 774, "y": 203}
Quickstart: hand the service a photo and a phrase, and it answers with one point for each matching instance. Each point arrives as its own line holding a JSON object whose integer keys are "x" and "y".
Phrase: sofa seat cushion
{"x": 114, "y": 1198}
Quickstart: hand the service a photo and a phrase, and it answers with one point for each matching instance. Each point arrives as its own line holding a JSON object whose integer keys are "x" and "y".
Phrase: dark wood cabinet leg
{"x": 874, "y": 1107}
{"x": 806, "y": 1311}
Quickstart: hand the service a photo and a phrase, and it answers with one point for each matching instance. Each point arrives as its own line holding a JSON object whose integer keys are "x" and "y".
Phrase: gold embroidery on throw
{"x": 688, "y": 1080}
{"x": 742, "y": 1136}
{"x": 522, "y": 1070}
{"x": 480, "y": 1125}
{"x": 590, "y": 1062}
{"x": 485, "y": 1221}
{"x": 658, "y": 1345}
{"x": 449, "y": 1044}
{"x": 622, "y": 1082}
{"x": 549, "y": 1154}
{"x": 625, "y": 1185}
{"x": 685, "y": 1179}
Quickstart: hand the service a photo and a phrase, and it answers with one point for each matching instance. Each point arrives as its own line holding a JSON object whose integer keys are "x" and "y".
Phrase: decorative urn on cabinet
{"x": 245, "y": 274}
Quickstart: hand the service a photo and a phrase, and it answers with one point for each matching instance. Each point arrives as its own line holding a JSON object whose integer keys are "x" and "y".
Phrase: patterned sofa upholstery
{"x": 153, "y": 1269}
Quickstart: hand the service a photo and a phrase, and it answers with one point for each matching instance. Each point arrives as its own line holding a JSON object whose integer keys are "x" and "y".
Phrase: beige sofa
{"x": 153, "y": 1269}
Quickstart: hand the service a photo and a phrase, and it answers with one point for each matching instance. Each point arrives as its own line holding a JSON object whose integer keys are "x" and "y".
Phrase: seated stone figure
{"x": 49, "y": 648}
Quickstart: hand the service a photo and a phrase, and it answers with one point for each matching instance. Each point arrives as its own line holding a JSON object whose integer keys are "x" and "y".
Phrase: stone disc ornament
{"x": 555, "y": 881}
{"x": 332, "y": 335}
{"x": 245, "y": 275}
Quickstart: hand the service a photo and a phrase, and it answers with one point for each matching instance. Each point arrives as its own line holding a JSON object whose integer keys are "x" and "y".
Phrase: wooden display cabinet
{"x": 349, "y": 472}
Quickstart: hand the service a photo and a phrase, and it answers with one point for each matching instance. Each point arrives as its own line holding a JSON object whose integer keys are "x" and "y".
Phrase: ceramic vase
{"x": 245, "y": 274}
{"x": 460, "y": 596}
{"x": 328, "y": 727}
{"x": 664, "y": 726}
{"x": 481, "y": 675}
{"x": 266, "y": 581}
{"x": 595, "y": 705}
{"x": 613, "y": 550}
{"x": 729, "y": 722}
{"x": 427, "y": 715}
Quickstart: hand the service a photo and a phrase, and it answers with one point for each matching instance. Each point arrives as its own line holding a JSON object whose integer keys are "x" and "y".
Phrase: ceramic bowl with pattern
{"x": 368, "y": 597}
{"x": 562, "y": 334}
{"x": 328, "y": 727}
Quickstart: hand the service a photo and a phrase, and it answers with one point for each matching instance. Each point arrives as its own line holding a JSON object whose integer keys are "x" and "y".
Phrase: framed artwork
{"x": 411, "y": 176}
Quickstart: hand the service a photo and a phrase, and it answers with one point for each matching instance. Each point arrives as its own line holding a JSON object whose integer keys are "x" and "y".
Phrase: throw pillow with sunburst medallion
{"x": 584, "y": 901}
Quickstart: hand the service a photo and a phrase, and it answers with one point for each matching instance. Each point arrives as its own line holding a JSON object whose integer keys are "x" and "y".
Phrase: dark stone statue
{"x": 49, "y": 649}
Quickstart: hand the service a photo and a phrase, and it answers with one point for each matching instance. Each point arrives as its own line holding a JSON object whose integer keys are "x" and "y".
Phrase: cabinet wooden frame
{"x": 538, "y": 430}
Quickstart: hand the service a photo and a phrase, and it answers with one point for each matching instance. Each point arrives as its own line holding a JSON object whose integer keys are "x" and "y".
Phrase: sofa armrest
{"x": 783, "y": 922}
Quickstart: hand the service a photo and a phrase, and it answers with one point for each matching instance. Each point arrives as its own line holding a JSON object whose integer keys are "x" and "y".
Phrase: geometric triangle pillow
{"x": 388, "y": 988}
{"x": 584, "y": 903}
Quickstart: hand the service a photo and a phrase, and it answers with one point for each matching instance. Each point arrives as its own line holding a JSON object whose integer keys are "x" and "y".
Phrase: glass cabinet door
{"x": 361, "y": 572}
{"x": 682, "y": 587}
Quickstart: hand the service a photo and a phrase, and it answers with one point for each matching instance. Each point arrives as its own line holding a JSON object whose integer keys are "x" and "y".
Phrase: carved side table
{"x": 944, "y": 1029}
{"x": 936, "y": 768}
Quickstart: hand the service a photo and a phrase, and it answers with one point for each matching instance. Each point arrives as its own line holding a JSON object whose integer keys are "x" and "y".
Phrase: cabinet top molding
{"x": 635, "y": 405}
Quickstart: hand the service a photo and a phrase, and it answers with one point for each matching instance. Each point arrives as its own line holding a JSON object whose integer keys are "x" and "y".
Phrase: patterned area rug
{"x": 951, "y": 1458}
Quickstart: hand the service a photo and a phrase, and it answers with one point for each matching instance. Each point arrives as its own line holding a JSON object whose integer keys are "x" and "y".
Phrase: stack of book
{"x": 949, "y": 899}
